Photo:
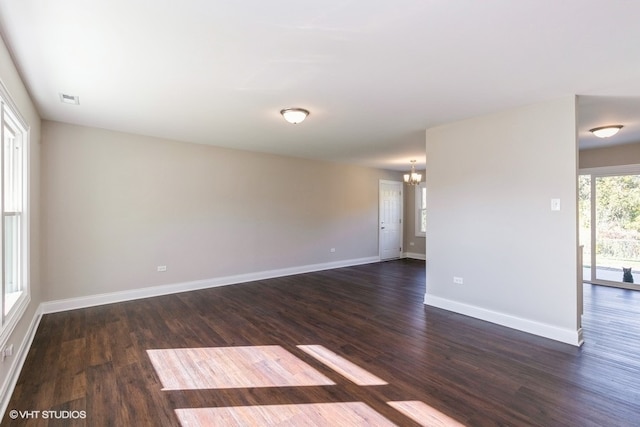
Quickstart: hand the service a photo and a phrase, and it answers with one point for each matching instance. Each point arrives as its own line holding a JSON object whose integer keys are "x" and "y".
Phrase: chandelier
{"x": 413, "y": 178}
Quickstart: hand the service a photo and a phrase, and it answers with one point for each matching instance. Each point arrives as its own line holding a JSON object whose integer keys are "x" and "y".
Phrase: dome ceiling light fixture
{"x": 294, "y": 115}
{"x": 605, "y": 131}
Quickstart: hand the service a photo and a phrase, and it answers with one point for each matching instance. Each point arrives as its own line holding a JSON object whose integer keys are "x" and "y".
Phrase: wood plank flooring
{"x": 164, "y": 361}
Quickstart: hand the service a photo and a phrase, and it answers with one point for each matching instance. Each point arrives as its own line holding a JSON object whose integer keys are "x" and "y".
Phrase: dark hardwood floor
{"x": 98, "y": 360}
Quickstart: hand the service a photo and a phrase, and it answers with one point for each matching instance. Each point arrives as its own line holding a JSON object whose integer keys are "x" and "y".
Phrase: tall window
{"x": 13, "y": 229}
{"x": 421, "y": 210}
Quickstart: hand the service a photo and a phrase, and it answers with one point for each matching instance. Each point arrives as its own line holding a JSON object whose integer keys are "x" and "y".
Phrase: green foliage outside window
{"x": 617, "y": 218}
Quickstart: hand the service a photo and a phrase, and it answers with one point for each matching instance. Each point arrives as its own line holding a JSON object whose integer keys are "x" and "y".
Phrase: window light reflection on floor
{"x": 273, "y": 366}
{"x": 424, "y": 414}
{"x": 232, "y": 367}
{"x": 308, "y": 414}
{"x": 342, "y": 366}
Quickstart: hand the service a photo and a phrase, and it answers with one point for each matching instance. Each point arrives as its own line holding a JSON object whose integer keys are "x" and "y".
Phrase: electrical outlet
{"x": 333, "y": 250}
{"x": 162, "y": 268}
{"x": 458, "y": 280}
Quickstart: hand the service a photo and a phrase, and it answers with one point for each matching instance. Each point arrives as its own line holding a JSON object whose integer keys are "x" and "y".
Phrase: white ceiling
{"x": 374, "y": 74}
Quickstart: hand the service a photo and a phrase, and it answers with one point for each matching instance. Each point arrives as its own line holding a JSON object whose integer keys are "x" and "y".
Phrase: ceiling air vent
{"x": 69, "y": 99}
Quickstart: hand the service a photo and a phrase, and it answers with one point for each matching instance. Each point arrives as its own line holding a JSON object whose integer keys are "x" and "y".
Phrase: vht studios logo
{"x": 57, "y": 415}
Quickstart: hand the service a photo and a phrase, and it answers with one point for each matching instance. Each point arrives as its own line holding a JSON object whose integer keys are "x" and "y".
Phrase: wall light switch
{"x": 555, "y": 204}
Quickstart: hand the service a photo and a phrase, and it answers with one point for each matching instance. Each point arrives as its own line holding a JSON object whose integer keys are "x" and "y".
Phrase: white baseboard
{"x": 19, "y": 358}
{"x": 153, "y": 291}
{"x": 415, "y": 255}
{"x": 567, "y": 336}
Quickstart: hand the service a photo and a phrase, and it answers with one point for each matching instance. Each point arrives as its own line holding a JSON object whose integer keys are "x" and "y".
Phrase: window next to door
{"x": 421, "y": 209}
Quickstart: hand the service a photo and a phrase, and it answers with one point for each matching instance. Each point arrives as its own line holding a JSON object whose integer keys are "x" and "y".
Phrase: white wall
{"x": 119, "y": 205}
{"x": 490, "y": 181}
{"x": 12, "y": 82}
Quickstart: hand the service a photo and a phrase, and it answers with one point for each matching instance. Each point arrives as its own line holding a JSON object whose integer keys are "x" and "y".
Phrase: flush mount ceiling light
{"x": 294, "y": 115}
{"x": 69, "y": 99}
{"x": 413, "y": 178}
{"x": 605, "y": 131}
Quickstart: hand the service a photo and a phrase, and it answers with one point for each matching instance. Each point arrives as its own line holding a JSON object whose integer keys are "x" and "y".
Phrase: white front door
{"x": 390, "y": 220}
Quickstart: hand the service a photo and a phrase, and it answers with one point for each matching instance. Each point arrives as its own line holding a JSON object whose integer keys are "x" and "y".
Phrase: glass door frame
{"x": 596, "y": 173}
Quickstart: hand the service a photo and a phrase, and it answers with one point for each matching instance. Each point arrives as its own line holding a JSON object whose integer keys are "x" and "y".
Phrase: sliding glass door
{"x": 609, "y": 208}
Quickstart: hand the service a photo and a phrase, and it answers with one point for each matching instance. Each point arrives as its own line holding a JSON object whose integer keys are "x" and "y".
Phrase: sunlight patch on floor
{"x": 424, "y": 414}
{"x": 310, "y": 414}
{"x": 232, "y": 367}
{"x": 273, "y": 366}
{"x": 349, "y": 370}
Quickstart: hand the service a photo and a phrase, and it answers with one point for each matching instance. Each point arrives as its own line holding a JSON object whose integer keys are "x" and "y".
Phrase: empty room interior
{"x": 320, "y": 213}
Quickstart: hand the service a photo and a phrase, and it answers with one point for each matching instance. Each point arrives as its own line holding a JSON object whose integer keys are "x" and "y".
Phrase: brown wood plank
{"x": 440, "y": 366}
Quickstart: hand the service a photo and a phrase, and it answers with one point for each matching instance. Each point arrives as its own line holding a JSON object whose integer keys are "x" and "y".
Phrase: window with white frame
{"x": 421, "y": 210}
{"x": 13, "y": 229}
